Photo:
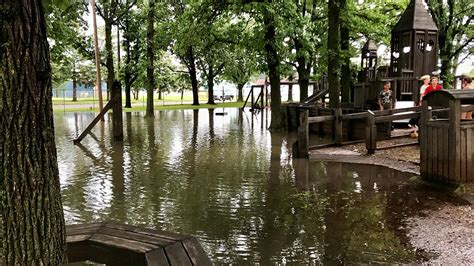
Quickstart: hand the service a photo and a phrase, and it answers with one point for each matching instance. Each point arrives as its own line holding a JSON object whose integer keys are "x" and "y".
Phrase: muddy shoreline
{"x": 445, "y": 231}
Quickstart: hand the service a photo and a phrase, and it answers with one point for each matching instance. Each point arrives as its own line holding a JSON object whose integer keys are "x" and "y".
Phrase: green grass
{"x": 140, "y": 108}
{"x": 141, "y": 100}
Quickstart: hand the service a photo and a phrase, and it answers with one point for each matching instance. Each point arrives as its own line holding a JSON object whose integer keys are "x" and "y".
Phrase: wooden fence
{"x": 372, "y": 118}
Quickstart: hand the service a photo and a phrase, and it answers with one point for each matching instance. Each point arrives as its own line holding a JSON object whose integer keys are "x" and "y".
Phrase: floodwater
{"x": 234, "y": 185}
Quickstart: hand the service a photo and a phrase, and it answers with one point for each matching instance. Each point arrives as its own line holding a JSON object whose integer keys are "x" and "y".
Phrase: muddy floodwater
{"x": 221, "y": 176}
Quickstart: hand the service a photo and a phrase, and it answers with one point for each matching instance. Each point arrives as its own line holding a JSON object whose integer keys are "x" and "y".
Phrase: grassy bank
{"x": 141, "y": 100}
{"x": 61, "y": 109}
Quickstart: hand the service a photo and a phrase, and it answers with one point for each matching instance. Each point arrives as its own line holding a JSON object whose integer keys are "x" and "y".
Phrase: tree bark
{"x": 346, "y": 61}
{"x": 240, "y": 88}
{"x": 74, "y": 89}
{"x": 273, "y": 63}
{"x": 127, "y": 74}
{"x": 109, "y": 58}
{"x": 446, "y": 49}
{"x": 150, "y": 59}
{"x": 193, "y": 74}
{"x": 333, "y": 53}
{"x": 210, "y": 86}
{"x": 303, "y": 70}
{"x": 32, "y": 214}
{"x": 290, "y": 92}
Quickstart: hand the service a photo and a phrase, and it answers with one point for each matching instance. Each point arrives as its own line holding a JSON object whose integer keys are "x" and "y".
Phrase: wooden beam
{"x": 390, "y": 118}
{"x": 318, "y": 119}
{"x": 108, "y": 106}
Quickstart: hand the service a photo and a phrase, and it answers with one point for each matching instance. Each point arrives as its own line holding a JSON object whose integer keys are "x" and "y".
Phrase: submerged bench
{"x": 119, "y": 244}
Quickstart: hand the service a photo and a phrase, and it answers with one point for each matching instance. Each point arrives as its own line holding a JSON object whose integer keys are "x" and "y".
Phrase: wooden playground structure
{"x": 446, "y": 142}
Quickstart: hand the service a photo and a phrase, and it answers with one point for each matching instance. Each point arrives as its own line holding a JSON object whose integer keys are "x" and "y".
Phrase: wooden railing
{"x": 372, "y": 118}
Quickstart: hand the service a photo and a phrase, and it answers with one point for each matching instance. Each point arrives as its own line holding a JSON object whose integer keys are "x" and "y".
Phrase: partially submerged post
{"x": 115, "y": 103}
{"x": 117, "y": 111}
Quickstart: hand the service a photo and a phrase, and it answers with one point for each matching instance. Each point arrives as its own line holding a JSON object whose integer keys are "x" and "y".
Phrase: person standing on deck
{"x": 466, "y": 84}
{"x": 433, "y": 87}
{"x": 386, "y": 99}
{"x": 426, "y": 84}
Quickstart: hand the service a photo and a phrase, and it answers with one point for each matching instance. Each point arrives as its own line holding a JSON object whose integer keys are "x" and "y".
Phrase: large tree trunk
{"x": 150, "y": 59}
{"x": 32, "y": 213}
{"x": 240, "y": 88}
{"x": 333, "y": 53}
{"x": 303, "y": 70}
{"x": 290, "y": 92}
{"x": 210, "y": 86}
{"x": 346, "y": 63}
{"x": 273, "y": 62}
{"x": 109, "y": 58}
{"x": 193, "y": 74}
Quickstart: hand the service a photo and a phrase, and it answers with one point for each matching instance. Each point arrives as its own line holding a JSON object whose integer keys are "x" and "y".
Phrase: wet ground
{"x": 444, "y": 231}
{"x": 236, "y": 187}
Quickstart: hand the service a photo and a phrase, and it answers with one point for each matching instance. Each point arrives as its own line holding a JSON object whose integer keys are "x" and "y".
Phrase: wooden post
{"x": 117, "y": 111}
{"x": 454, "y": 141}
{"x": 266, "y": 93}
{"x": 371, "y": 133}
{"x": 262, "y": 94}
{"x": 252, "y": 104}
{"x": 422, "y": 136}
{"x": 303, "y": 135}
{"x": 338, "y": 127}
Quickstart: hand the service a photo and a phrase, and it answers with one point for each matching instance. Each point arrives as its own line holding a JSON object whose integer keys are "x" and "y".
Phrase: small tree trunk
{"x": 240, "y": 88}
{"x": 150, "y": 60}
{"x": 74, "y": 89}
{"x": 127, "y": 74}
{"x": 109, "y": 58}
{"x": 160, "y": 96}
{"x": 193, "y": 74}
{"x": 32, "y": 214}
{"x": 210, "y": 86}
{"x": 333, "y": 54}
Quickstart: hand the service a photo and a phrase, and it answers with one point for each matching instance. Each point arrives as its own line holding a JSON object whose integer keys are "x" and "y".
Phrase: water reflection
{"x": 234, "y": 185}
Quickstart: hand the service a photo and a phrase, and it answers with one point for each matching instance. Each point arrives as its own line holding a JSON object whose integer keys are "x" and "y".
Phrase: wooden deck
{"x": 118, "y": 244}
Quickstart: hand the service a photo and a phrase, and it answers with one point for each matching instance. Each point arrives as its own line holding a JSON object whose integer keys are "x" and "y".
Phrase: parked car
{"x": 227, "y": 98}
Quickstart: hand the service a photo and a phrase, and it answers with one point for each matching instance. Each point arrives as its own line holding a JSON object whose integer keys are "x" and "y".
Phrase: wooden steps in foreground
{"x": 119, "y": 244}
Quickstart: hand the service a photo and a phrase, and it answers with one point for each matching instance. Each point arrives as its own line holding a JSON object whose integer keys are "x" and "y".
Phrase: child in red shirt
{"x": 433, "y": 87}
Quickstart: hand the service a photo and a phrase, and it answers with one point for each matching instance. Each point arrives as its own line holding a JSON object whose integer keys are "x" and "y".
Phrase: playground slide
{"x": 316, "y": 96}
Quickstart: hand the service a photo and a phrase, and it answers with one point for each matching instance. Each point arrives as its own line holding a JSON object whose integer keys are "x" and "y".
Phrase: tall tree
{"x": 183, "y": 32}
{"x": 273, "y": 64}
{"x": 150, "y": 52}
{"x": 111, "y": 12}
{"x": 346, "y": 61}
{"x": 32, "y": 213}
{"x": 333, "y": 53}
{"x": 455, "y": 22}
{"x": 130, "y": 25}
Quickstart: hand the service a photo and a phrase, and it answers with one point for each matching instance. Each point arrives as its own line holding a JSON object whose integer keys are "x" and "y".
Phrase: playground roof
{"x": 416, "y": 16}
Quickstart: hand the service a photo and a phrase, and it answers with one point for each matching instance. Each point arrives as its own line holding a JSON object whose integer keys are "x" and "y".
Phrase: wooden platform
{"x": 118, "y": 244}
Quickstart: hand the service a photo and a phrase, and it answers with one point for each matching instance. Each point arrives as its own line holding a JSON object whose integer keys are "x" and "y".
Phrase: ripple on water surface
{"x": 234, "y": 185}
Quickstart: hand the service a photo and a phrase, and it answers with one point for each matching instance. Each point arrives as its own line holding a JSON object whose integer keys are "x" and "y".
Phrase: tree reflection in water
{"x": 233, "y": 184}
